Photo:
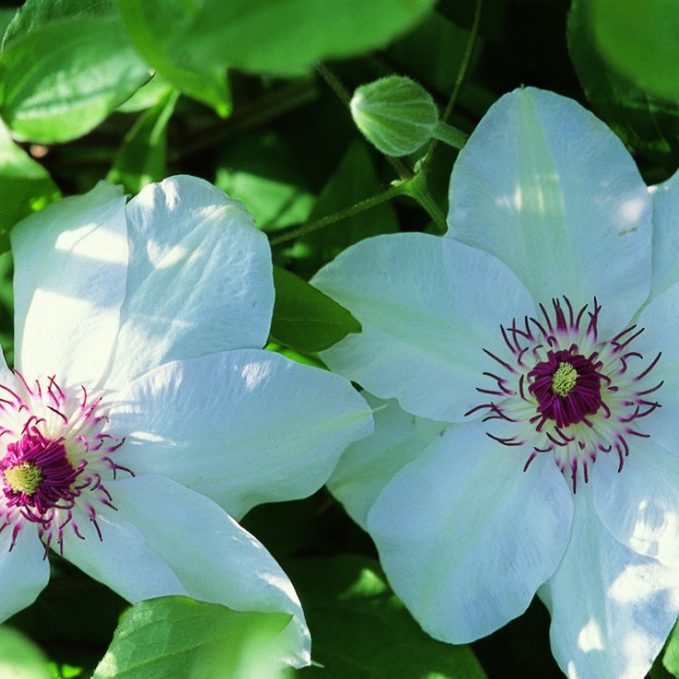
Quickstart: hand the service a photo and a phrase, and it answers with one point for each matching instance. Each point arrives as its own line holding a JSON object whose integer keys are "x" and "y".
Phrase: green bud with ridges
{"x": 395, "y": 114}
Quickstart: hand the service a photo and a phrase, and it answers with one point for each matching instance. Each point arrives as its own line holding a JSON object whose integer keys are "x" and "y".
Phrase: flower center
{"x": 567, "y": 386}
{"x": 23, "y": 478}
{"x": 38, "y": 474}
{"x": 56, "y": 460}
{"x": 566, "y": 392}
{"x": 564, "y": 379}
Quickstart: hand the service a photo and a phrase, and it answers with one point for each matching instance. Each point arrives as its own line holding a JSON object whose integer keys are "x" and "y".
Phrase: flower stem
{"x": 396, "y": 189}
{"x": 418, "y": 189}
{"x": 459, "y": 81}
{"x": 450, "y": 135}
{"x": 413, "y": 184}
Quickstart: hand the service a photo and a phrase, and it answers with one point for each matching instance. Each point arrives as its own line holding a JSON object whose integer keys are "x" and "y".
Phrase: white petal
{"x": 214, "y": 558}
{"x": 200, "y": 278}
{"x": 665, "y": 234}
{"x": 24, "y": 571}
{"x": 428, "y": 306}
{"x": 7, "y": 377}
{"x": 243, "y": 427}
{"x": 466, "y": 537}
{"x": 640, "y": 505}
{"x": 660, "y": 320}
{"x": 69, "y": 284}
{"x": 611, "y": 608}
{"x": 368, "y": 465}
{"x": 550, "y": 190}
{"x": 122, "y": 559}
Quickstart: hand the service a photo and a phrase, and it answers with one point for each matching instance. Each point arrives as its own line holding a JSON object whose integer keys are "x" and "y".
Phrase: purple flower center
{"x": 567, "y": 386}
{"x": 57, "y": 458}
{"x": 565, "y": 391}
{"x": 37, "y": 475}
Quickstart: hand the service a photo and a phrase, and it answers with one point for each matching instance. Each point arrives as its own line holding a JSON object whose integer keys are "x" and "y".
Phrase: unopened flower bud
{"x": 395, "y": 114}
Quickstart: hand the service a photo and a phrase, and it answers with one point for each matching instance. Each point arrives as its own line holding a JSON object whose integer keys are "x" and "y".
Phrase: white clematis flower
{"x": 142, "y": 405}
{"x": 535, "y": 448}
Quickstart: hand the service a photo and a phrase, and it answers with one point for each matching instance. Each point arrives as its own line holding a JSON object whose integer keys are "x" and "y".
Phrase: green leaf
{"x": 354, "y": 180}
{"x": 645, "y": 122}
{"x": 19, "y": 658}
{"x": 59, "y": 93}
{"x": 148, "y": 95}
{"x": 35, "y": 14}
{"x": 6, "y": 16}
{"x": 285, "y": 37}
{"x": 361, "y": 630}
{"x": 25, "y": 186}
{"x": 191, "y": 44}
{"x": 153, "y": 27}
{"x": 670, "y": 658}
{"x": 304, "y": 318}
{"x": 639, "y": 39}
{"x": 143, "y": 156}
{"x": 261, "y": 170}
{"x": 180, "y": 637}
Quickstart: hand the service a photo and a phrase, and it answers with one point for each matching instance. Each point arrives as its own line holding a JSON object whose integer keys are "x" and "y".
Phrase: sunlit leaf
{"x": 19, "y": 658}
{"x": 148, "y": 95}
{"x": 154, "y": 27}
{"x": 298, "y": 32}
{"x": 64, "y": 67}
{"x": 191, "y": 44}
{"x": 180, "y": 637}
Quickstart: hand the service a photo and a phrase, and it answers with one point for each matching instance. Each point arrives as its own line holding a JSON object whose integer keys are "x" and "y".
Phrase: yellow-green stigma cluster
{"x": 564, "y": 379}
{"x": 24, "y": 477}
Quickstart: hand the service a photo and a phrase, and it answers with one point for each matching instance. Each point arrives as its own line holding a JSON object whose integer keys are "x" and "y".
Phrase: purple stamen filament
{"x": 56, "y": 458}
{"x": 566, "y": 392}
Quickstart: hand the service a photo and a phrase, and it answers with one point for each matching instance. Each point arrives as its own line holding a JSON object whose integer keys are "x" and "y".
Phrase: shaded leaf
{"x": 304, "y": 318}
{"x": 354, "y": 180}
{"x": 361, "y": 630}
{"x": 25, "y": 186}
{"x": 639, "y": 39}
{"x": 143, "y": 156}
{"x": 261, "y": 171}
{"x": 645, "y": 122}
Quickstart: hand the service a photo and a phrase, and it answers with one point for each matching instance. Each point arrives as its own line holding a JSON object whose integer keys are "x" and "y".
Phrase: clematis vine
{"x": 530, "y": 443}
{"x": 142, "y": 407}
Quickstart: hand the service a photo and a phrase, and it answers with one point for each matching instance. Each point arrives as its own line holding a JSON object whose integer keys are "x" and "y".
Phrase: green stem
{"x": 459, "y": 81}
{"x": 253, "y": 114}
{"x": 450, "y": 135}
{"x": 335, "y": 84}
{"x": 396, "y": 190}
{"x": 418, "y": 190}
{"x": 411, "y": 184}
